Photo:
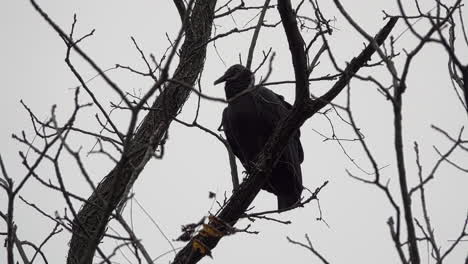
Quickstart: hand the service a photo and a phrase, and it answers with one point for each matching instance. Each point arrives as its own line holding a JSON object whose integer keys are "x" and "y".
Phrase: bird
{"x": 251, "y": 115}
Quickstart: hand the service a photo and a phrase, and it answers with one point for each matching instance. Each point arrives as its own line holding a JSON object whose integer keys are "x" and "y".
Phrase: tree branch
{"x": 143, "y": 144}
{"x": 180, "y": 8}
{"x": 296, "y": 47}
{"x": 256, "y": 33}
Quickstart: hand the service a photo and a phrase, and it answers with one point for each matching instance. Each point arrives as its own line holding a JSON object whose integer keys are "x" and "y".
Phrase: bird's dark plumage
{"x": 249, "y": 120}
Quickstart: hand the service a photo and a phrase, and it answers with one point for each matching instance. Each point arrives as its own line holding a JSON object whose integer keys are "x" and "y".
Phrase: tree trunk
{"x": 92, "y": 219}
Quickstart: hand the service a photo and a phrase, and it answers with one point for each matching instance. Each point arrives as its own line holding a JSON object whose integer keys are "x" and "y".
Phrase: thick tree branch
{"x": 298, "y": 54}
{"x": 355, "y": 64}
{"x": 143, "y": 144}
{"x": 180, "y": 8}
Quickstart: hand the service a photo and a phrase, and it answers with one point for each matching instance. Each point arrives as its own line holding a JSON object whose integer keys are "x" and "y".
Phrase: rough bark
{"x": 92, "y": 219}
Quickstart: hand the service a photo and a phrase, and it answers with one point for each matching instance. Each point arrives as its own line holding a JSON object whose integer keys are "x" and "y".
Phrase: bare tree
{"x": 152, "y": 113}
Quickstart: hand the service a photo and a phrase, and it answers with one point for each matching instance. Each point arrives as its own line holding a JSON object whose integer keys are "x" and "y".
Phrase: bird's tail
{"x": 288, "y": 200}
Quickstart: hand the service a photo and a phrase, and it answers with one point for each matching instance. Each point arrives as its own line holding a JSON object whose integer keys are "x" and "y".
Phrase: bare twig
{"x": 309, "y": 247}
{"x": 256, "y": 33}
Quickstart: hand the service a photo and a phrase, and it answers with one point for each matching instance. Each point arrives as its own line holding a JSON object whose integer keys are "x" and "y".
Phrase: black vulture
{"x": 248, "y": 120}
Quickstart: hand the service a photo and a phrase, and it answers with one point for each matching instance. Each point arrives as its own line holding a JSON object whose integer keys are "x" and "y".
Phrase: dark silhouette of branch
{"x": 255, "y": 35}
{"x": 180, "y": 8}
{"x": 7, "y": 185}
{"x": 355, "y": 64}
{"x": 298, "y": 54}
{"x": 309, "y": 247}
{"x": 80, "y": 52}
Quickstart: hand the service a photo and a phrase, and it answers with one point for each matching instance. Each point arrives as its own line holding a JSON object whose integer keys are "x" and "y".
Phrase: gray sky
{"x": 175, "y": 190}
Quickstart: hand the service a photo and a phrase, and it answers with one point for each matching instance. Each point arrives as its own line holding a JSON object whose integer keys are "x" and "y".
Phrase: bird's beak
{"x": 221, "y": 79}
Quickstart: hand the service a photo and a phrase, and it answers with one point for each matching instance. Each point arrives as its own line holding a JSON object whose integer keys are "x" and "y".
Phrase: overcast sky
{"x": 174, "y": 190}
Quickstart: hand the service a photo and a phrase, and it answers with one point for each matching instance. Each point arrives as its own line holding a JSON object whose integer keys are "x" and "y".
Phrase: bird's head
{"x": 237, "y": 74}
